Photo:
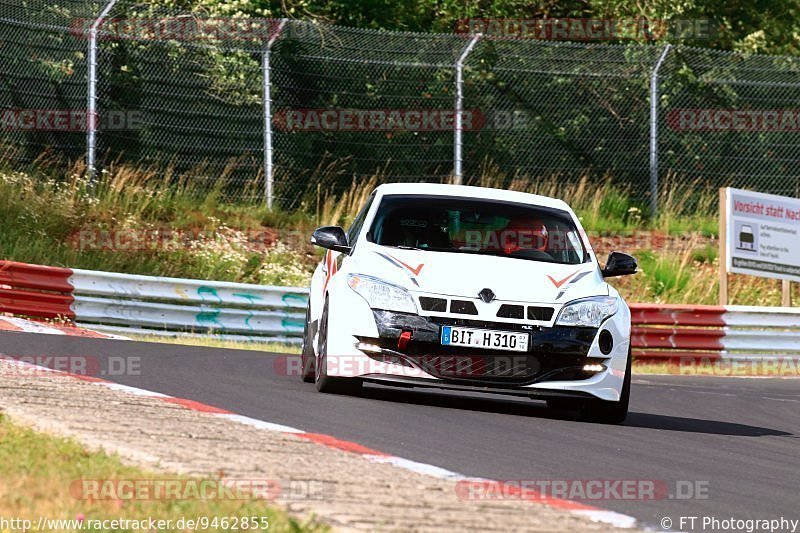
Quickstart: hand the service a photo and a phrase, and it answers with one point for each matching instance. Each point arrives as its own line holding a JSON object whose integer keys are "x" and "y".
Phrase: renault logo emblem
{"x": 486, "y": 295}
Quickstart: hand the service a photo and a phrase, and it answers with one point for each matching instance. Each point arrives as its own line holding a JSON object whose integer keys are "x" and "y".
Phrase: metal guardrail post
{"x": 457, "y": 134}
{"x": 265, "y": 68}
{"x": 654, "y": 131}
{"x": 91, "y": 93}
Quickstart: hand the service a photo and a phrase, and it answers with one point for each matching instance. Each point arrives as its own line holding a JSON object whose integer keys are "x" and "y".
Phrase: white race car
{"x": 469, "y": 288}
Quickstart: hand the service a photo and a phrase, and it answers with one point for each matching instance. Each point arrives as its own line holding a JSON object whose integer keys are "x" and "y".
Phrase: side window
{"x": 358, "y": 222}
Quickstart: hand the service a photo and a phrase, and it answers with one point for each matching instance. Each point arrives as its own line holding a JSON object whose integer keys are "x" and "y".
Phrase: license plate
{"x": 484, "y": 338}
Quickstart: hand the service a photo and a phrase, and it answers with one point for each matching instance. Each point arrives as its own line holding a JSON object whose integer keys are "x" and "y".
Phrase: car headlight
{"x": 589, "y": 312}
{"x": 382, "y": 295}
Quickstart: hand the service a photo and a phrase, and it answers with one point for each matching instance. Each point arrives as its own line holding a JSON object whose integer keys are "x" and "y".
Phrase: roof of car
{"x": 467, "y": 191}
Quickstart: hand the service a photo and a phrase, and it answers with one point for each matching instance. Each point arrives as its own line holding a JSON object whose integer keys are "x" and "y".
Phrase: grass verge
{"x": 37, "y": 472}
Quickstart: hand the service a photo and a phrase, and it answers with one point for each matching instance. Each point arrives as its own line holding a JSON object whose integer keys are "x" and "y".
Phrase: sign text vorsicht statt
{"x": 763, "y": 235}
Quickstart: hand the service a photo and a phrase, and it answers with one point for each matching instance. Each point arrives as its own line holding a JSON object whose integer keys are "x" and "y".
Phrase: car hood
{"x": 465, "y": 275}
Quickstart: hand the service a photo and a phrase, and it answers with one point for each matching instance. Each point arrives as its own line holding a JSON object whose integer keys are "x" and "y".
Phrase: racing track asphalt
{"x": 737, "y": 436}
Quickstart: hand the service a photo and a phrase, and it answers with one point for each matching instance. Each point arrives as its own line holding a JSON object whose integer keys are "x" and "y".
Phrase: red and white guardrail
{"x": 124, "y": 303}
{"x": 714, "y": 331}
{"x": 35, "y": 290}
{"x": 160, "y": 305}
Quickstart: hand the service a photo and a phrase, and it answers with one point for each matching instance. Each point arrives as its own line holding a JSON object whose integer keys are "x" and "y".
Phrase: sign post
{"x": 759, "y": 236}
{"x": 723, "y": 248}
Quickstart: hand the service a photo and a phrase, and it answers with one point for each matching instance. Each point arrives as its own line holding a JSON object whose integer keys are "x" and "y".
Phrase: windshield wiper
{"x": 406, "y": 247}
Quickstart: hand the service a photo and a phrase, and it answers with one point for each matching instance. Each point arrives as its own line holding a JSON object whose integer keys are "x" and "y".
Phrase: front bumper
{"x": 363, "y": 343}
{"x": 554, "y": 353}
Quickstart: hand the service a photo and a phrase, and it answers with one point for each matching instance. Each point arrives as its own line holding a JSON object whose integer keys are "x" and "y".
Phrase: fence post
{"x": 654, "y": 131}
{"x": 91, "y": 93}
{"x": 267, "y": 84}
{"x": 457, "y": 133}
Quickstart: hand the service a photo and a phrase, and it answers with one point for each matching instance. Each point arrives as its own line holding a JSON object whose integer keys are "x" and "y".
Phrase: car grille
{"x": 463, "y": 307}
{"x": 434, "y": 305}
{"x": 511, "y": 311}
{"x": 543, "y": 314}
{"x": 467, "y": 307}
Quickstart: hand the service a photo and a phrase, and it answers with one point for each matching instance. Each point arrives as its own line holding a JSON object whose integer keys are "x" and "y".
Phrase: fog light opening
{"x": 605, "y": 342}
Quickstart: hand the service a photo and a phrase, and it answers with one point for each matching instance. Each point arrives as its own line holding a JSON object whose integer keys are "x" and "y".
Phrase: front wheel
{"x": 324, "y": 382}
{"x": 611, "y": 412}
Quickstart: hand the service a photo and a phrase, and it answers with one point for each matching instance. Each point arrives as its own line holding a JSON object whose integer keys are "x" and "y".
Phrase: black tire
{"x": 611, "y": 412}
{"x": 324, "y": 382}
{"x": 307, "y": 354}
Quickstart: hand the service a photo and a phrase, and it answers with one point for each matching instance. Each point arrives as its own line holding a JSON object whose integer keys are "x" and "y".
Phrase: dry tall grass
{"x": 681, "y": 271}
{"x": 602, "y": 205}
{"x": 333, "y": 209}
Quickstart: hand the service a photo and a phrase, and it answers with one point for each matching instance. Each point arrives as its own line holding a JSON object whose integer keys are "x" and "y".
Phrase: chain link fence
{"x": 262, "y": 110}
{"x": 731, "y": 119}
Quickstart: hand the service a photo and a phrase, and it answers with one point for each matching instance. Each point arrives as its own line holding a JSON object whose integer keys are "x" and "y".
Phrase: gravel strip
{"x": 339, "y": 488}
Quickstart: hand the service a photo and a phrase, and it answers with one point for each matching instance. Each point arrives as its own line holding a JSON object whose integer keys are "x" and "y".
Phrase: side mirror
{"x": 332, "y": 238}
{"x": 619, "y": 264}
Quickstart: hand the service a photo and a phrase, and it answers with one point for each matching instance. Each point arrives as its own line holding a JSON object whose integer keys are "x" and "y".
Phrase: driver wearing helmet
{"x": 524, "y": 234}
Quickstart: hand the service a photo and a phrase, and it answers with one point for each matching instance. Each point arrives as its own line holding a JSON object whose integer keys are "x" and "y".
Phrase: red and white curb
{"x": 595, "y": 514}
{"x": 11, "y": 323}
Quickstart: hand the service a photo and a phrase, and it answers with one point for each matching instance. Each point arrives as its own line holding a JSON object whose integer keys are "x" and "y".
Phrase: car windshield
{"x": 476, "y": 226}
